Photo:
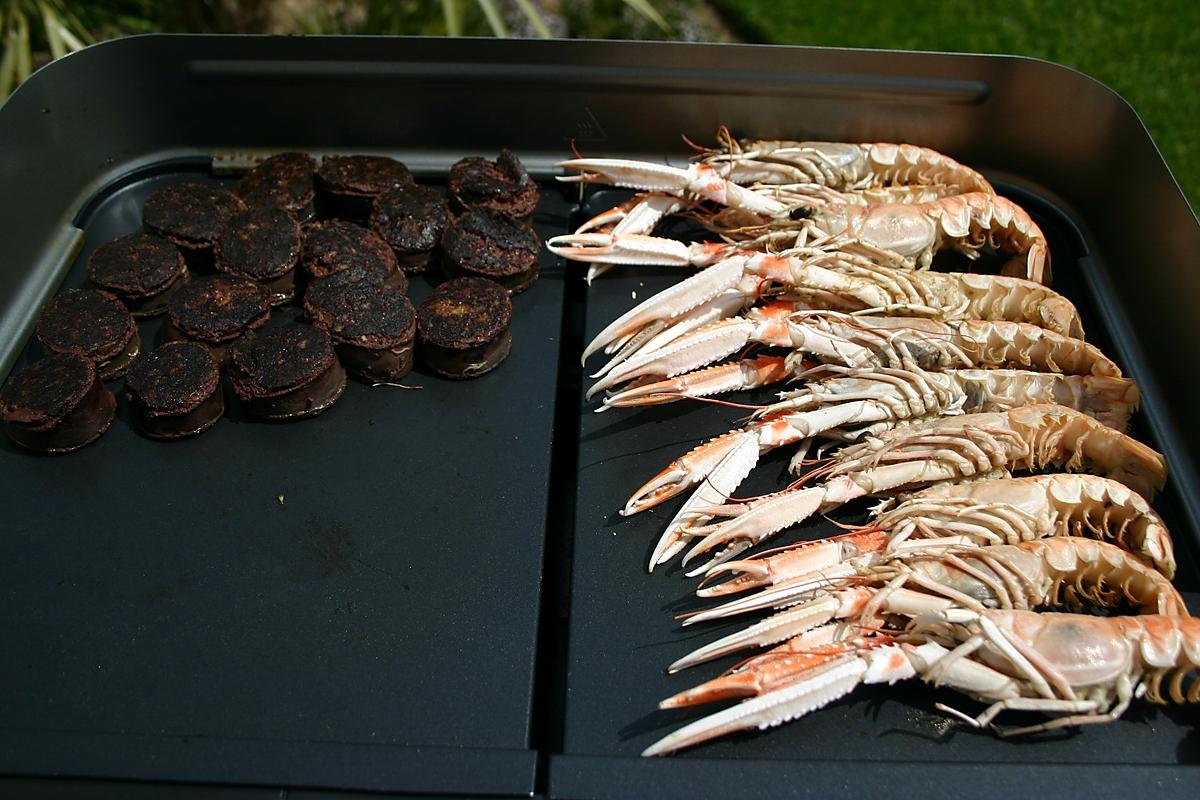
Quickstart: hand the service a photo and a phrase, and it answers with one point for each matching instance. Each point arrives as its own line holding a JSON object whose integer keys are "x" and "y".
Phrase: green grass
{"x": 1147, "y": 52}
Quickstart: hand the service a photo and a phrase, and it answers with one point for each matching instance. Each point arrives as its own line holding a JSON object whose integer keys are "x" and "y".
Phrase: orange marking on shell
{"x": 861, "y": 597}
{"x": 778, "y": 334}
{"x": 773, "y": 368}
{"x": 774, "y": 268}
{"x": 777, "y": 309}
{"x": 1158, "y": 627}
{"x": 779, "y": 426}
{"x": 776, "y": 331}
{"x": 780, "y": 432}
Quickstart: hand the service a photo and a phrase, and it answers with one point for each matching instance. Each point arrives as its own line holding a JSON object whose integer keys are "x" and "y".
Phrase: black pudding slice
{"x": 190, "y": 215}
{"x": 56, "y": 405}
{"x": 215, "y": 310}
{"x": 411, "y": 220}
{"x": 373, "y": 327}
{"x": 463, "y": 327}
{"x": 287, "y": 372}
{"x": 262, "y": 244}
{"x": 284, "y": 180}
{"x": 94, "y": 324}
{"x": 488, "y": 244}
{"x": 140, "y": 269}
{"x": 334, "y": 247}
{"x": 349, "y": 184}
{"x": 502, "y": 185}
{"x": 175, "y": 391}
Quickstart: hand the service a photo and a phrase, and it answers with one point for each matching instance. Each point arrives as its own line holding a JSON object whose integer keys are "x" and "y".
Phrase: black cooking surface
{"x": 623, "y": 635}
{"x": 368, "y": 578}
{"x": 353, "y": 600}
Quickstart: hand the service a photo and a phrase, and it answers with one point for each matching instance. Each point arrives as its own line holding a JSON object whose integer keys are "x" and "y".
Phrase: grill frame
{"x": 89, "y": 124}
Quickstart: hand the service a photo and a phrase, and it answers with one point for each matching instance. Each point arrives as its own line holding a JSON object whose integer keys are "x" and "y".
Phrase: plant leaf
{"x": 453, "y": 17}
{"x": 494, "y": 21}
{"x": 76, "y": 29}
{"x": 58, "y": 48}
{"x": 647, "y": 10}
{"x": 8, "y": 64}
{"x": 72, "y": 42}
{"x": 535, "y": 18}
{"x": 24, "y": 63}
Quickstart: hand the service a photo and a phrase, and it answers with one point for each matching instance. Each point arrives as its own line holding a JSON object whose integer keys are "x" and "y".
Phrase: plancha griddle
{"x": 429, "y": 591}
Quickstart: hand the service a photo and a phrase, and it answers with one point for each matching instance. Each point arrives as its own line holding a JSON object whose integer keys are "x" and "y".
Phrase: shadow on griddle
{"x": 1188, "y": 751}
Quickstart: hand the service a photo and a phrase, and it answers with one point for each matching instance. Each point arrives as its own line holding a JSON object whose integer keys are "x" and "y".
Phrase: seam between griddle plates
{"x": 548, "y": 717}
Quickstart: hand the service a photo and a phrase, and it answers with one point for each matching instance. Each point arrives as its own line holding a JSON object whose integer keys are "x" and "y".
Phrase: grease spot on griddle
{"x": 329, "y": 547}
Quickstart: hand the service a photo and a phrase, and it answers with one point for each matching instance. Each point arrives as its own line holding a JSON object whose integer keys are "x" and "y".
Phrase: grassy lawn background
{"x": 1147, "y": 52}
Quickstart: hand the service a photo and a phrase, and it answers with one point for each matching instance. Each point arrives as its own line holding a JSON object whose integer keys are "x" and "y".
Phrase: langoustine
{"x": 984, "y": 513}
{"x": 853, "y": 404}
{"x": 949, "y": 448}
{"x": 937, "y": 574}
{"x": 739, "y": 281}
{"x": 771, "y": 177}
{"x": 862, "y": 342}
{"x": 894, "y": 234}
{"x": 1077, "y": 669}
